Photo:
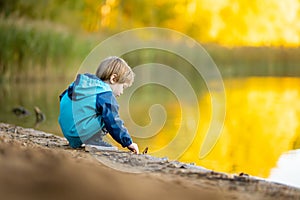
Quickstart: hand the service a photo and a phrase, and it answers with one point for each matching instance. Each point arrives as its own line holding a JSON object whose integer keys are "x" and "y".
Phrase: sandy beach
{"x": 39, "y": 165}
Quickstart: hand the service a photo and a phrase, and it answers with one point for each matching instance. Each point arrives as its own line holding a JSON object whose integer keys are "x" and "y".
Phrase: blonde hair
{"x": 115, "y": 65}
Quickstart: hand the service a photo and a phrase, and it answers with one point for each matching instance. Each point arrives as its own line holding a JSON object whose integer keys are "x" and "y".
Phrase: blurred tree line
{"x": 60, "y": 11}
{"x": 227, "y": 22}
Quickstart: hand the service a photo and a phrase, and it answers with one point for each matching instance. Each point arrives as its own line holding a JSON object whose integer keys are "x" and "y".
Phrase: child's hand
{"x": 134, "y": 148}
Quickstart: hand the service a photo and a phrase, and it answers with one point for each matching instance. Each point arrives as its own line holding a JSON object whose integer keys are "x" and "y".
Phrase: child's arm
{"x": 108, "y": 109}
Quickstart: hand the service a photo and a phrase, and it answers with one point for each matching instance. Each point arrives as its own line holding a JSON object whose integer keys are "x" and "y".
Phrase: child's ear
{"x": 113, "y": 79}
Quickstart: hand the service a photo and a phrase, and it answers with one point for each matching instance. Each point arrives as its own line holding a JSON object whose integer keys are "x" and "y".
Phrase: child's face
{"x": 118, "y": 88}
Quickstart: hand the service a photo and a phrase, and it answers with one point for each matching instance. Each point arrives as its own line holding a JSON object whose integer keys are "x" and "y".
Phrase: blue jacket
{"x": 86, "y": 107}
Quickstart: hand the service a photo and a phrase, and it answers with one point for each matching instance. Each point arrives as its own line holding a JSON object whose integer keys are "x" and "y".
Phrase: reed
{"x": 27, "y": 50}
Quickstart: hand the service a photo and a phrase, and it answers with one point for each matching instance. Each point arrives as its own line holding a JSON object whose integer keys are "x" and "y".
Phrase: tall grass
{"x": 231, "y": 61}
{"x": 29, "y": 50}
{"x": 256, "y": 61}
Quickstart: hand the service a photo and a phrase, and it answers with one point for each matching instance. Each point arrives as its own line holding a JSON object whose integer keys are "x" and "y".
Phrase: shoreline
{"x": 35, "y": 165}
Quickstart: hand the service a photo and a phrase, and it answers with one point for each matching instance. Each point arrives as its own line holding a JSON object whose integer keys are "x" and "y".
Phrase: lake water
{"x": 260, "y": 137}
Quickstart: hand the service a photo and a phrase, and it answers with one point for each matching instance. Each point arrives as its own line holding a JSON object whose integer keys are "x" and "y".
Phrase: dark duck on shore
{"x": 40, "y": 117}
{"x": 20, "y": 111}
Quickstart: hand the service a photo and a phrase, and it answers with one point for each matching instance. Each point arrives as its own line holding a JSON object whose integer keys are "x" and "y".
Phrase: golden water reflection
{"x": 262, "y": 122}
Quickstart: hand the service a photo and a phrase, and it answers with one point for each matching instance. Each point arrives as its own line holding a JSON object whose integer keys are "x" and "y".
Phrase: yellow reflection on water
{"x": 262, "y": 122}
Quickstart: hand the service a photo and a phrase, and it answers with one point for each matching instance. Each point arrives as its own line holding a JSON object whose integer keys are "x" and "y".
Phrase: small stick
{"x": 145, "y": 150}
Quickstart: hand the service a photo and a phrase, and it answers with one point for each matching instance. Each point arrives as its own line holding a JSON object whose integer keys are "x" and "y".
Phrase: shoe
{"x": 96, "y": 143}
{"x": 90, "y": 147}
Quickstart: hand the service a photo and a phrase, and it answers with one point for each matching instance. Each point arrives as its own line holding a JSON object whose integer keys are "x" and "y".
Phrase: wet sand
{"x": 38, "y": 165}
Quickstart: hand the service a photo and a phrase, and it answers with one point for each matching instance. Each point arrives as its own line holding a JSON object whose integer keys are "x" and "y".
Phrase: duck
{"x": 20, "y": 111}
{"x": 40, "y": 117}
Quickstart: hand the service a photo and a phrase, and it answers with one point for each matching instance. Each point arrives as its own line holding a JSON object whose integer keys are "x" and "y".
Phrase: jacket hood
{"x": 87, "y": 85}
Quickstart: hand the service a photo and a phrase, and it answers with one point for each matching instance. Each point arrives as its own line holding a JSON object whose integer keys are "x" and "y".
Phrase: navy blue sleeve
{"x": 108, "y": 109}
